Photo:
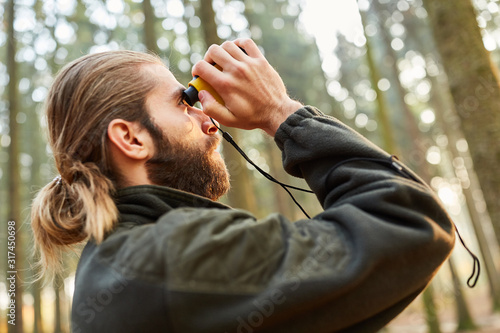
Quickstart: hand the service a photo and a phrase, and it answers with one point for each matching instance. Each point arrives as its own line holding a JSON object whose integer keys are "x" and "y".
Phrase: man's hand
{"x": 252, "y": 90}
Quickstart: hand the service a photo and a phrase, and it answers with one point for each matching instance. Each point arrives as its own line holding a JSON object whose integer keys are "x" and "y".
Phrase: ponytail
{"x": 65, "y": 213}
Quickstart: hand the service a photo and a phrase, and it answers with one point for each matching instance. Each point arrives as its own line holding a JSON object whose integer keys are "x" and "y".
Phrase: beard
{"x": 188, "y": 167}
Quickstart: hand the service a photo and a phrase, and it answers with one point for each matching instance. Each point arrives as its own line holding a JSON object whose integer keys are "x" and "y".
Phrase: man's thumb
{"x": 205, "y": 98}
{"x": 212, "y": 108}
{"x": 208, "y": 102}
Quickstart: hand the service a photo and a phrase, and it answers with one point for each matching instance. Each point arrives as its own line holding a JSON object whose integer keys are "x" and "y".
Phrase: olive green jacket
{"x": 181, "y": 263}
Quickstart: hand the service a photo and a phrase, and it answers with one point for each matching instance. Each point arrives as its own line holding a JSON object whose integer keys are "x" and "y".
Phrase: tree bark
{"x": 445, "y": 116}
{"x": 149, "y": 27}
{"x": 475, "y": 90}
{"x": 448, "y": 122}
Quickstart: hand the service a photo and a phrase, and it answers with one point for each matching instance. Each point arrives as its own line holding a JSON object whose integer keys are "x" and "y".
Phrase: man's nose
{"x": 206, "y": 124}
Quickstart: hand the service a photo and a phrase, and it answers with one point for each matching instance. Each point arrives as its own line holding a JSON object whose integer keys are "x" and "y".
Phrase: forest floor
{"x": 413, "y": 319}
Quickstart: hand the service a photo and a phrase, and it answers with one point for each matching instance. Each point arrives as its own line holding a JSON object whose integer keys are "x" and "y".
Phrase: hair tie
{"x": 57, "y": 179}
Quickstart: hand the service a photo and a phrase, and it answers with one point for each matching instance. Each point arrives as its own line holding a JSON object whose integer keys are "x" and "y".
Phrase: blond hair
{"x": 85, "y": 96}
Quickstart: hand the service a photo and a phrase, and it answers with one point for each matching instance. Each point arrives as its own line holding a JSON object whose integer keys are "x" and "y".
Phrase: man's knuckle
{"x": 212, "y": 48}
{"x": 241, "y": 69}
{"x": 226, "y": 44}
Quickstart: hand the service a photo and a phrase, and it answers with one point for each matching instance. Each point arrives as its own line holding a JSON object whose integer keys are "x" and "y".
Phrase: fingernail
{"x": 202, "y": 95}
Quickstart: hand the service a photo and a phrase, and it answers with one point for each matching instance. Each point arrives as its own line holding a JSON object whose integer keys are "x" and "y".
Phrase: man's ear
{"x": 130, "y": 139}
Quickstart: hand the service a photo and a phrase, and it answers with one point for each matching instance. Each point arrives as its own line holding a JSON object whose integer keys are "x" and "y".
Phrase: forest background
{"x": 417, "y": 77}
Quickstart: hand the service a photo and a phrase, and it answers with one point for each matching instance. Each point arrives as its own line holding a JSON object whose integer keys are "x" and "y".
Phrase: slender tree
{"x": 149, "y": 27}
{"x": 475, "y": 94}
{"x": 85, "y": 31}
{"x": 465, "y": 321}
{"x": 282, "y": 201}
{"x": 475, "y": 90}
{"x": 37, "y": 148}
{"x": 58, "y": 317}
{"x": 418, "y": 161}
{"x": 37, "y": 308}
{"x": 430, "y": 310}
{"x": 445, "y": 116}
{"x": 386, "y": 130}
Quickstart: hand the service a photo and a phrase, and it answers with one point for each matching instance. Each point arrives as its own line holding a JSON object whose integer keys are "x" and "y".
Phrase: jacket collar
{"x": 146, "y": 203}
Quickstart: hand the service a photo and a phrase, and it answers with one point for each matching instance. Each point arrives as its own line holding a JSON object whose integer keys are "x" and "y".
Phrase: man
{"x": 139, "y": 176}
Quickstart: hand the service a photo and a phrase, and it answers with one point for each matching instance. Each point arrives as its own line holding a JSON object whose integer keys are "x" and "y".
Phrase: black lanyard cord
{"x": 286, "y": 187}
{"x": 475, "y": 263}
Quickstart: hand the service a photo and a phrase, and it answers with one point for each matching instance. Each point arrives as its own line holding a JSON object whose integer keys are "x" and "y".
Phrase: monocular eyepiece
{"x": 190, "y": 95}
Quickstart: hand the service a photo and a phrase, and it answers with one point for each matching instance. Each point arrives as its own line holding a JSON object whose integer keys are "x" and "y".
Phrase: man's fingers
{"x": 235, "y": 51}
{"x": 214, "y": 109}
{"x": 218, "y": 55}
{"x": 203, "y": 69}
{"x": 249, "y": 46}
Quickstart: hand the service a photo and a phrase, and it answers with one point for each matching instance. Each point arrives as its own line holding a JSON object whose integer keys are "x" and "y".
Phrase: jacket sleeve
{"x": 379, "y": 241}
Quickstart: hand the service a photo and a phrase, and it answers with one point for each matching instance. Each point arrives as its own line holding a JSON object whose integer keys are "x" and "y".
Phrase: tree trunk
{"x": 207, "y": 16}
{"x": 37, "y": 307}
{"x": 283, "y": 203}
{"x": 149, "y": 27}
{"x": 465, "y": 321}
{"x": 58, "y": 304}
{"x": 449, "y": 123}
{"x": 474, "y": 87}
{"x": 241, "y": 194}
{"x": 14, "y": 212}
{"x": 430, "y": 310}
{"x": 386, "y": 130}
{"x": 37, "y": 149}
{"x": 445, "y": 116}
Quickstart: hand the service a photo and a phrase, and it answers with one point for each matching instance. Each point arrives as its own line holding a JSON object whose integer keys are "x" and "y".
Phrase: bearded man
{"x": 139, "y": 178}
